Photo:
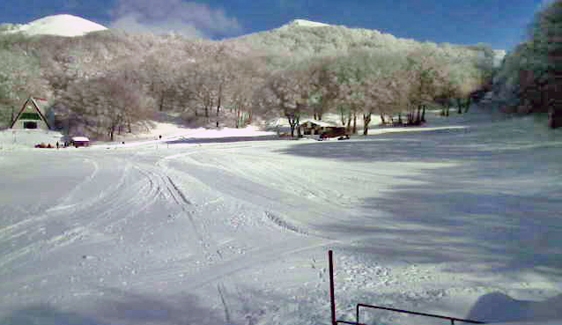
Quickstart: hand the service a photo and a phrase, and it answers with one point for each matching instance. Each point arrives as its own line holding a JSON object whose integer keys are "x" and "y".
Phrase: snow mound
{"x": 498, "y": 307}
{"x": 305, "y": 23}
{"x": 60, "y": 25}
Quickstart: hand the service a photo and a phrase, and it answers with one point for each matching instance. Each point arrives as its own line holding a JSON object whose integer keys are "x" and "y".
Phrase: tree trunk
{"x": 423, "y": 114}
{"x": 320, "y": 116}
{"x": 292, "y": 123}
{"x": 219, "y": 100}
{"x": 467, "y": 107}
{"x": 342, "y": 117}
{"x": 354, "y": 122}
{"x": 400, "y": 118}
{"x": 382, "y": 119}
{"x": 366, "y": 121}
{"x": 315, "y": 116}
{"x": 418, "y": 116}
{"x": 238, "y": 121}
{"x": 206, "y": 111}
{"x": 161, "y": 105}
{"x": 459, "y": 105}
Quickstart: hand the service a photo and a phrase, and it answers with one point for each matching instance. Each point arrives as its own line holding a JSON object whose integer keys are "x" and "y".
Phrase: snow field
{"x": 237, "y": 233}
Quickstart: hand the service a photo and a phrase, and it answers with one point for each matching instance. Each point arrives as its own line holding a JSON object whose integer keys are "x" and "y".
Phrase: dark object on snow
{"x": 334, "y": 133}
{"x": 554, "y": 118}
{"x": 160, "y": 137}
{"x": 345, "y": 137}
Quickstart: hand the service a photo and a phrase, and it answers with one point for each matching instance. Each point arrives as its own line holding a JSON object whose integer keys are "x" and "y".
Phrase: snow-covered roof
{"x": 319, "y": 123}
{"x": 59, "y": 25}
{"x": 80, "y": 139}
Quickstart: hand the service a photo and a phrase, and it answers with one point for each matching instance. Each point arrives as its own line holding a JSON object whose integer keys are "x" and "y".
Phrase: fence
{"x": 358, "y": 307}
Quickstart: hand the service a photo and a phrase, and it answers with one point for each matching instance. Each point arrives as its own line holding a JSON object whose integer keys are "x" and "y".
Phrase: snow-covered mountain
{"x": 59, "y": 25}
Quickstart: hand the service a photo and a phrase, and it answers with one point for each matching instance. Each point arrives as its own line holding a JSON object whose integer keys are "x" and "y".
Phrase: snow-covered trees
{"x": 106, "y": 105}
{"x": 20, "y": 77}
{"x": 289, "y": 93}
{"x": 526, "y": 81}
{"x": 291, "y": 72}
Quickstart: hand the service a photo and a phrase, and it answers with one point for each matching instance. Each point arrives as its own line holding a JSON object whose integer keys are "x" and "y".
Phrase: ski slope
{"x": 453, "y": 221}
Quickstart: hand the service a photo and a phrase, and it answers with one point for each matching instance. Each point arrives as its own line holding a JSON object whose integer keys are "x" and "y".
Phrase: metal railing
{"x": 452, "y": 319}
{"x": 360, "y": 305}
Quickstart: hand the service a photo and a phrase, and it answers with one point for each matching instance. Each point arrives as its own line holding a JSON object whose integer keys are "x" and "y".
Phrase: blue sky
{"x": 500, "y": 23}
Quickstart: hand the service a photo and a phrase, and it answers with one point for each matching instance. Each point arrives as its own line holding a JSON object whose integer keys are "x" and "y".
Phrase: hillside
{"x": 93, "y": 79}
{"x": 302, "y": 38}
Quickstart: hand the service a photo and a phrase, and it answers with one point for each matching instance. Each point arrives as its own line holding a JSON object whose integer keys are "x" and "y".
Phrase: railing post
{"x": 332, "y": 295}
{"x": 452, "y": 322}
{"x": 357, "y": 314}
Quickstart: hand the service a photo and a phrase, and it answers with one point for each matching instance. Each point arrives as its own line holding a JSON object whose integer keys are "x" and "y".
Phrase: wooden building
{"x": 314, "y": 127}
{"x": 80, "y": 142}
{"x": 32, "y": 115}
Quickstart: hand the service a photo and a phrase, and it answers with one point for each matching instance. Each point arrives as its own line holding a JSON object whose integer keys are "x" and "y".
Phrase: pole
{"x": 332, "y": 295}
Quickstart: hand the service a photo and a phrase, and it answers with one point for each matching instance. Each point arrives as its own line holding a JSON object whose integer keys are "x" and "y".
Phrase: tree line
{"x": 528, "y": 80}
{"x": 109, "y": 82}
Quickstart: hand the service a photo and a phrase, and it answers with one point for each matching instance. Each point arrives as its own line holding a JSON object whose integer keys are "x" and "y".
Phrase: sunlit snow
{"x": 60, "y": 25}
{"x": 454, "y": 220}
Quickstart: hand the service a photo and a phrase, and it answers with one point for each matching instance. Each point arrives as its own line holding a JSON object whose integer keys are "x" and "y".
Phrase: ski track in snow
{"x": 243, "y": 228}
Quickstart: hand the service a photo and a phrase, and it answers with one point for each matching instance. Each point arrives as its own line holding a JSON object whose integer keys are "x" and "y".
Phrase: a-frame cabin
{"x": 31, "y": 115}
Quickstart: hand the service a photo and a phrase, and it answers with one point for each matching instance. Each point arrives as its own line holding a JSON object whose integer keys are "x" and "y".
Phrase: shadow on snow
{"x": 496, "y": 206}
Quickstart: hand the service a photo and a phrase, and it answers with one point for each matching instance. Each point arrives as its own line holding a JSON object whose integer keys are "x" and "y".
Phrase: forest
{"x": 109, "y": 82}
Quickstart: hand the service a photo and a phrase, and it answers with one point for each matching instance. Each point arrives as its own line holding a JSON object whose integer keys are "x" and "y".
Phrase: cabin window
{"x": 30, "y": 125}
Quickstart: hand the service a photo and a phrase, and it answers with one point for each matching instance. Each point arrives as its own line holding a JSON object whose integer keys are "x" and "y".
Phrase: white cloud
{"x": 190, "y": 19}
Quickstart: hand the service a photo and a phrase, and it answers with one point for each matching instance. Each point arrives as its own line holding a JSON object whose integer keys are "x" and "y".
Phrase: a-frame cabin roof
{"x": 34, "y": 102}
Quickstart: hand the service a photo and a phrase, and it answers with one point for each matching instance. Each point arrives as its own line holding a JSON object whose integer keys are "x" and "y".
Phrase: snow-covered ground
{"x": 27, "y": 139}
{"x": 459, "y": 221}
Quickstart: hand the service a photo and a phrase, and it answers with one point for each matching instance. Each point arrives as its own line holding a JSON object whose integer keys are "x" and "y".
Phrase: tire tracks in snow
{"x": 36, "y": 228}
{"x": 160, "y": 175}
{"x": 218, "y": 272}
